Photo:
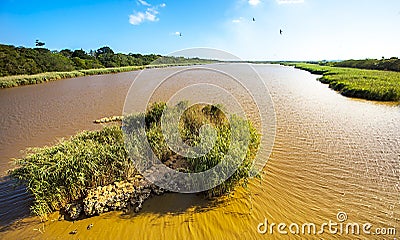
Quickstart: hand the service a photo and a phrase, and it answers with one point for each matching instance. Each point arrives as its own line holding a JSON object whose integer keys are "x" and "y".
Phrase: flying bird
{"x": 280, "y": 31}
{"x": 254, "y": 19}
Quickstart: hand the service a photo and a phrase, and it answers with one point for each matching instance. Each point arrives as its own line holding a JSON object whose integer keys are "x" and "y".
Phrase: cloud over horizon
{"x": 150, "y": 14}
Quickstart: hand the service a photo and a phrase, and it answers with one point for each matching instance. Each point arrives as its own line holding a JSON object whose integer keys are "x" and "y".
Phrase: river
{"x": 331, "y": 154}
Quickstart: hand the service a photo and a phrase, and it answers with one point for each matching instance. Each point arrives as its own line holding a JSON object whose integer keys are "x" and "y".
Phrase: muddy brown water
{"x": 331, "y": 154}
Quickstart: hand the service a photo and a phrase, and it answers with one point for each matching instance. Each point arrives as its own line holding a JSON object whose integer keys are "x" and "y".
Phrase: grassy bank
{"x": 358, "y": 83}
{"x": 20, "y": 80}
{"x": 391, "y": 64}
{"x": 63, "y": 173}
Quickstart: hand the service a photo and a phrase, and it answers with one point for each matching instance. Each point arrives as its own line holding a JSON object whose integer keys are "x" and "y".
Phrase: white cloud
{"x": 136, "y": 19}
{"x": 289, "y": 1}
{"x": 238, "y": 20}
{"x": 150, "y": 14}
{"x": 144, "y": 3}
{"x": 254, "y": 2}
{"x": 139, "y": 17}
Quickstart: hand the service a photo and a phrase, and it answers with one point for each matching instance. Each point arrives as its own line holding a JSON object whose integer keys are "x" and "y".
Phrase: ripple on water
{"x": 331, "y": 154}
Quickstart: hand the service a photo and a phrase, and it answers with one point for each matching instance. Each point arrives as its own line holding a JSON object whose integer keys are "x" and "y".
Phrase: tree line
{"x": 21, "y": 60}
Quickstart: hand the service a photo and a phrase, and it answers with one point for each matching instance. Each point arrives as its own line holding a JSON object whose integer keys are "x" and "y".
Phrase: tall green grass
{"x": 19, "y": 80}
{"x": 190, "y": 124}
{"x": 359, "y": 83}
{"x": 99, "y": 71}
{"x": 62, "y": 173}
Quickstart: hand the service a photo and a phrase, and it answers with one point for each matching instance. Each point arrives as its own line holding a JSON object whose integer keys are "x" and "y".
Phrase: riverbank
{"x": 357, "y": 83}
{"x": 20, "y": 80}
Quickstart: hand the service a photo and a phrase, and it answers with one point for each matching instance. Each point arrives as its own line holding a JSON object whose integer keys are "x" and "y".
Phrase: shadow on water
{"x": 175, "y": 204}
{"x": 15, "y": 202}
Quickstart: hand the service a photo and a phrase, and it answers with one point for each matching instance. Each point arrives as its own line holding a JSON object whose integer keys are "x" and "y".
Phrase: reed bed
{"x": 19, "y": 80}
{"x": 358, "y": 83}
{"x": 62, "y": 173}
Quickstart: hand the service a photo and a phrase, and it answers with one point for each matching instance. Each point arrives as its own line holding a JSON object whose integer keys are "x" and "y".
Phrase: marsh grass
{"x": 359, "y": 83}
{"x": 63, "y": 173}
{"x": 20, "y": 80}
{"x": 190, "y": 124}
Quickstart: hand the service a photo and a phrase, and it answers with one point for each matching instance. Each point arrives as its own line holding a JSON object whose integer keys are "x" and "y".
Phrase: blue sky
{"x": 312, "y": 29}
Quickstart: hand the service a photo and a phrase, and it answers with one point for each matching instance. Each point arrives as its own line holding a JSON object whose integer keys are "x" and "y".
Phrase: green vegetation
{"x": 28, "y": 61}
{"x": 190, "y": 124}
{"x": 24, "y": 66}
{"x": 358, "y": 83}
{"x": 14, "y": 81}
{"x": 19, "y": 80}
{"x": 392, "y": 64}
{"x": 63, "y": 173}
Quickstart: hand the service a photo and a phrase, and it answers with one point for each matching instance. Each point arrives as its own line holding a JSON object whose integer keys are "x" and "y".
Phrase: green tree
{"x": 81, "y": 54}
{"x": 67, "y": 53}
{"x": 104, "y": 50}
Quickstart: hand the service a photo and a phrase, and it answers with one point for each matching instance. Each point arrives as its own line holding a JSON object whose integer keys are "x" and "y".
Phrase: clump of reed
{"x": 63, "y": 173}
{"x": 190, "y": 126}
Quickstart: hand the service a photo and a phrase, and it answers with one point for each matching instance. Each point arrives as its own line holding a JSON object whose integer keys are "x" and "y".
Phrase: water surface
{"x": 331, "y": 154}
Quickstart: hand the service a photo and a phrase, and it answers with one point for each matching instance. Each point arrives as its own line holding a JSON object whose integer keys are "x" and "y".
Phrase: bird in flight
{"x": 254, "y": 19}
{"x": 280, "y": 31}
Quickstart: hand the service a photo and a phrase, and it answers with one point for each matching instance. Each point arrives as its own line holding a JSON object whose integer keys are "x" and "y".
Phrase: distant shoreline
{"x": 377, "y": 85}
{"x": 22, "y": 80}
